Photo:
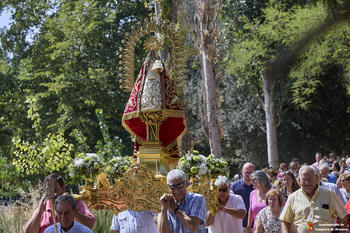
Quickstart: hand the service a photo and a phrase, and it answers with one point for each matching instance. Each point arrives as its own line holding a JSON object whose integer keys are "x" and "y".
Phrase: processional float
{"x": 154, "y": 116}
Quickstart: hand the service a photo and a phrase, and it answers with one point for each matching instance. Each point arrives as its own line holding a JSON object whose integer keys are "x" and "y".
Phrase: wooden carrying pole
{"x": 52, "y": 204}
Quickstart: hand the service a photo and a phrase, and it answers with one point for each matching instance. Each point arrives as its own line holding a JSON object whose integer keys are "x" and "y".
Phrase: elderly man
{"x": 181, "y": 211}
{"x": 244, "y": 187}
{"x": 312, "y": 207}
{"x": 232, "y": 210}
{"x": 324, "y": 169}
{"x": 42, "y": 216}
{"x": 66, "y": 209}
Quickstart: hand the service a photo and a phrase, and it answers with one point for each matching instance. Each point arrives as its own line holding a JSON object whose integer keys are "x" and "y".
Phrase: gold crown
{"x": 153, "y": 30}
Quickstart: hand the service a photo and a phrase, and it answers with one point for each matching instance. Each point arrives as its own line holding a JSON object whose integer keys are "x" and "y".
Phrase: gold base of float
{"x": 140, "y": 189}
{"x": 156, "y": 159}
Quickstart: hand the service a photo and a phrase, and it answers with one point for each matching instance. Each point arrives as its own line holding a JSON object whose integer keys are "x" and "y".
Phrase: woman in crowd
{"x": 289, "y": 184}
{"x": 272, "y": 173}
{"x": 261, "y": 185}
{"x": 345, "y": 183}
{"x": 267, "y": 219}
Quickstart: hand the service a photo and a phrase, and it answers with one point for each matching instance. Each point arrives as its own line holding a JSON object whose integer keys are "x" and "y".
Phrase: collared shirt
{"x": 193, "y": 205}
{"x": 76, "y": 228}
{"x": 46, "y": 218}
{"x": 316, "y": 214}
{"x": 335, "y": 189}
{"x": 134, "y": 222}
{"x": 240, "y": 188}
{"x": 223, "y": 222}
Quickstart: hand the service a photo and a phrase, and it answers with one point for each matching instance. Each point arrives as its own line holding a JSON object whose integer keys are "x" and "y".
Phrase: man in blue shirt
{"x": 182, "y": 212}
{"x": 243, "y": 187}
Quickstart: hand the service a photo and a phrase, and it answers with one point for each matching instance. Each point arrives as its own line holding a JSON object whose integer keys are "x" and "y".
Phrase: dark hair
{"x": 67, "y": 199}
{"x": 272, "y": 172}
{"x": 336, "y": 165}
{"x": 55, "y": 177}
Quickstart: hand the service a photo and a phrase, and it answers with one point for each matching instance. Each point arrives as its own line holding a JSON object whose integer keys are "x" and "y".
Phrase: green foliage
{"x": 8, "y": 178}
{"x": 53, "y": 154}
{"x": 103, "y": 221}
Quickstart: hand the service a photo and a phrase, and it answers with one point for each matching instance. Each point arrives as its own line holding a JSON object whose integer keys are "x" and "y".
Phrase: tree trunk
{"x": 271, "y": 131}
{"x": 210, "y": 86}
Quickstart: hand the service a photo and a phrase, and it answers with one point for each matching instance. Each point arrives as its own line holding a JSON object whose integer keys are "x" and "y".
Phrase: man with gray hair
{"x": 181, "y": 211}
{"x": 324, "y": 172}
{"x": 66, "y": 209}
{"x": 312, "y": 207}
{"x": 232, "y": 210}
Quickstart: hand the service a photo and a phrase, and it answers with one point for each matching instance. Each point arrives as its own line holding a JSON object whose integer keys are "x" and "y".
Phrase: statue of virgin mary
{"x": 154, "y": 112}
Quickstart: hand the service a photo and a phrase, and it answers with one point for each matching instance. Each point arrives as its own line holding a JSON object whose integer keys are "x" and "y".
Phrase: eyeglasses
{"x": 224, "y": 190}
{"x": 180, "y": 185}
{"x": 247, "y": 172}
{"x": 289, "y": 172}
{"x": 343, "y": 181}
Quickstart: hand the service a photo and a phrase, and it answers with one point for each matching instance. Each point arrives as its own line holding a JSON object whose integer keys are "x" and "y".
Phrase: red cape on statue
{"x": 160, "y": 91}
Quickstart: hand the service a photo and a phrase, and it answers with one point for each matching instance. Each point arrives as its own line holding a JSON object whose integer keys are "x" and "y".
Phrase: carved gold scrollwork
{"x": 140, "y": 189}
{"x": 153, "y": 120}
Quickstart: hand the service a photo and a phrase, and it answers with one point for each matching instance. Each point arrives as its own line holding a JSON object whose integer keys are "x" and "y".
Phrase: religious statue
{"x": 154, "y": 112}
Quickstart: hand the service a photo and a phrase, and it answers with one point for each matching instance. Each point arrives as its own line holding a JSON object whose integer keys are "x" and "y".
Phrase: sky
{"x": 4, "y": 18}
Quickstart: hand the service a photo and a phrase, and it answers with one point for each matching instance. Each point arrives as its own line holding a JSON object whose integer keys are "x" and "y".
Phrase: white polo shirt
{"x": 224, "y": 222}
{"x": 134, "y": 222}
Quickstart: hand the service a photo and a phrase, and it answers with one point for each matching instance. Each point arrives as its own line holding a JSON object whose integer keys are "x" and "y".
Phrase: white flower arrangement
{"x": 86, "y": 166}
{"x": 194, "y": 164}
{"x": 116, "y": 167}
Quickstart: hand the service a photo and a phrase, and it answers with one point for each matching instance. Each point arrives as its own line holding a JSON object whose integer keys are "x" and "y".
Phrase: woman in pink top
{"x": 261, "y": 185}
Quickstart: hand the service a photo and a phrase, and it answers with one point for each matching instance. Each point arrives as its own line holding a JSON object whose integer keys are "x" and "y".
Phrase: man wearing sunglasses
{"x": 182, "y": 212}
{"x": 232, "y": 210}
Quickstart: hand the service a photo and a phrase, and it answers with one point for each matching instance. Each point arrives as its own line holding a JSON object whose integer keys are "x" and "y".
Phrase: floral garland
{"x": 87, "y": 166}
{"x": 198, "y": 165}
{"x": 117, "y": 166}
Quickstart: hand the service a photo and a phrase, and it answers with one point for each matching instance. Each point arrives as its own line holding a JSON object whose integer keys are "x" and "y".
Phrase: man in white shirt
{"x": 232, "y": 210}
{"x": 134, "y": 222}
{"x": 66, "y": 209}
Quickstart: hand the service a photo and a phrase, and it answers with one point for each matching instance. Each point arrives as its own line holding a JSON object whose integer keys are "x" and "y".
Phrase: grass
{"x": 13, "y": 217}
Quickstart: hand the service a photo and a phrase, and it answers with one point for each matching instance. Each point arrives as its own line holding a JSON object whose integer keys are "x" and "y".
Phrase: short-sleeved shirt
{"x": 76, "y": 228}
{"x": 46, "y": 218}
{"x": 240, "y": 188}
{"x": 335, "y": 189}
{"x": 193, "y": 205}
{"x": 223, "y": 222}
{"x": 255, "y": 205}
{"x": 317, "y": 213}
{"x": 134, "y": 222}
{"x": 268, "y": 221}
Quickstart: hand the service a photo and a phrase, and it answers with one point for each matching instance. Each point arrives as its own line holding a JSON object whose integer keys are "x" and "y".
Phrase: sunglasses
{"x": 180, "y": 185}
{"x": 289, "y": 172}
{"x": 224, "y": 190}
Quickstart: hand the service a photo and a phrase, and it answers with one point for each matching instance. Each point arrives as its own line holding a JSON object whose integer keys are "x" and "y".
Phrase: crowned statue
{"x": 154, "y": 114}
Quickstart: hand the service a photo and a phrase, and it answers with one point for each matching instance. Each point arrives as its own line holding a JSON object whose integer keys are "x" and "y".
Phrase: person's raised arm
{"x": 286, "y": 227}
{"x": 33, "y": 224}
{"x": 163, "y": 223}
{"x": 190, "y": 222}
{"x": 84, "y": 219}
{"x": 209, "y": 219}
{"x": 236, "y": 213}
{"x": 259, "y": 227}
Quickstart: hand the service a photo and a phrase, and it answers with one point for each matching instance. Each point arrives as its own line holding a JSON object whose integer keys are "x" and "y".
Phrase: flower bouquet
{"x": 193, "y": 164}
{"x": 217, "y": 167}
{"x": 86, "y": 166}
{"x": 116, "y": 167}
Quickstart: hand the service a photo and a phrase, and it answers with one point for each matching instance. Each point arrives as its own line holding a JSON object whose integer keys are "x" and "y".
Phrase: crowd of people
{"x": 294, "y": 198}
